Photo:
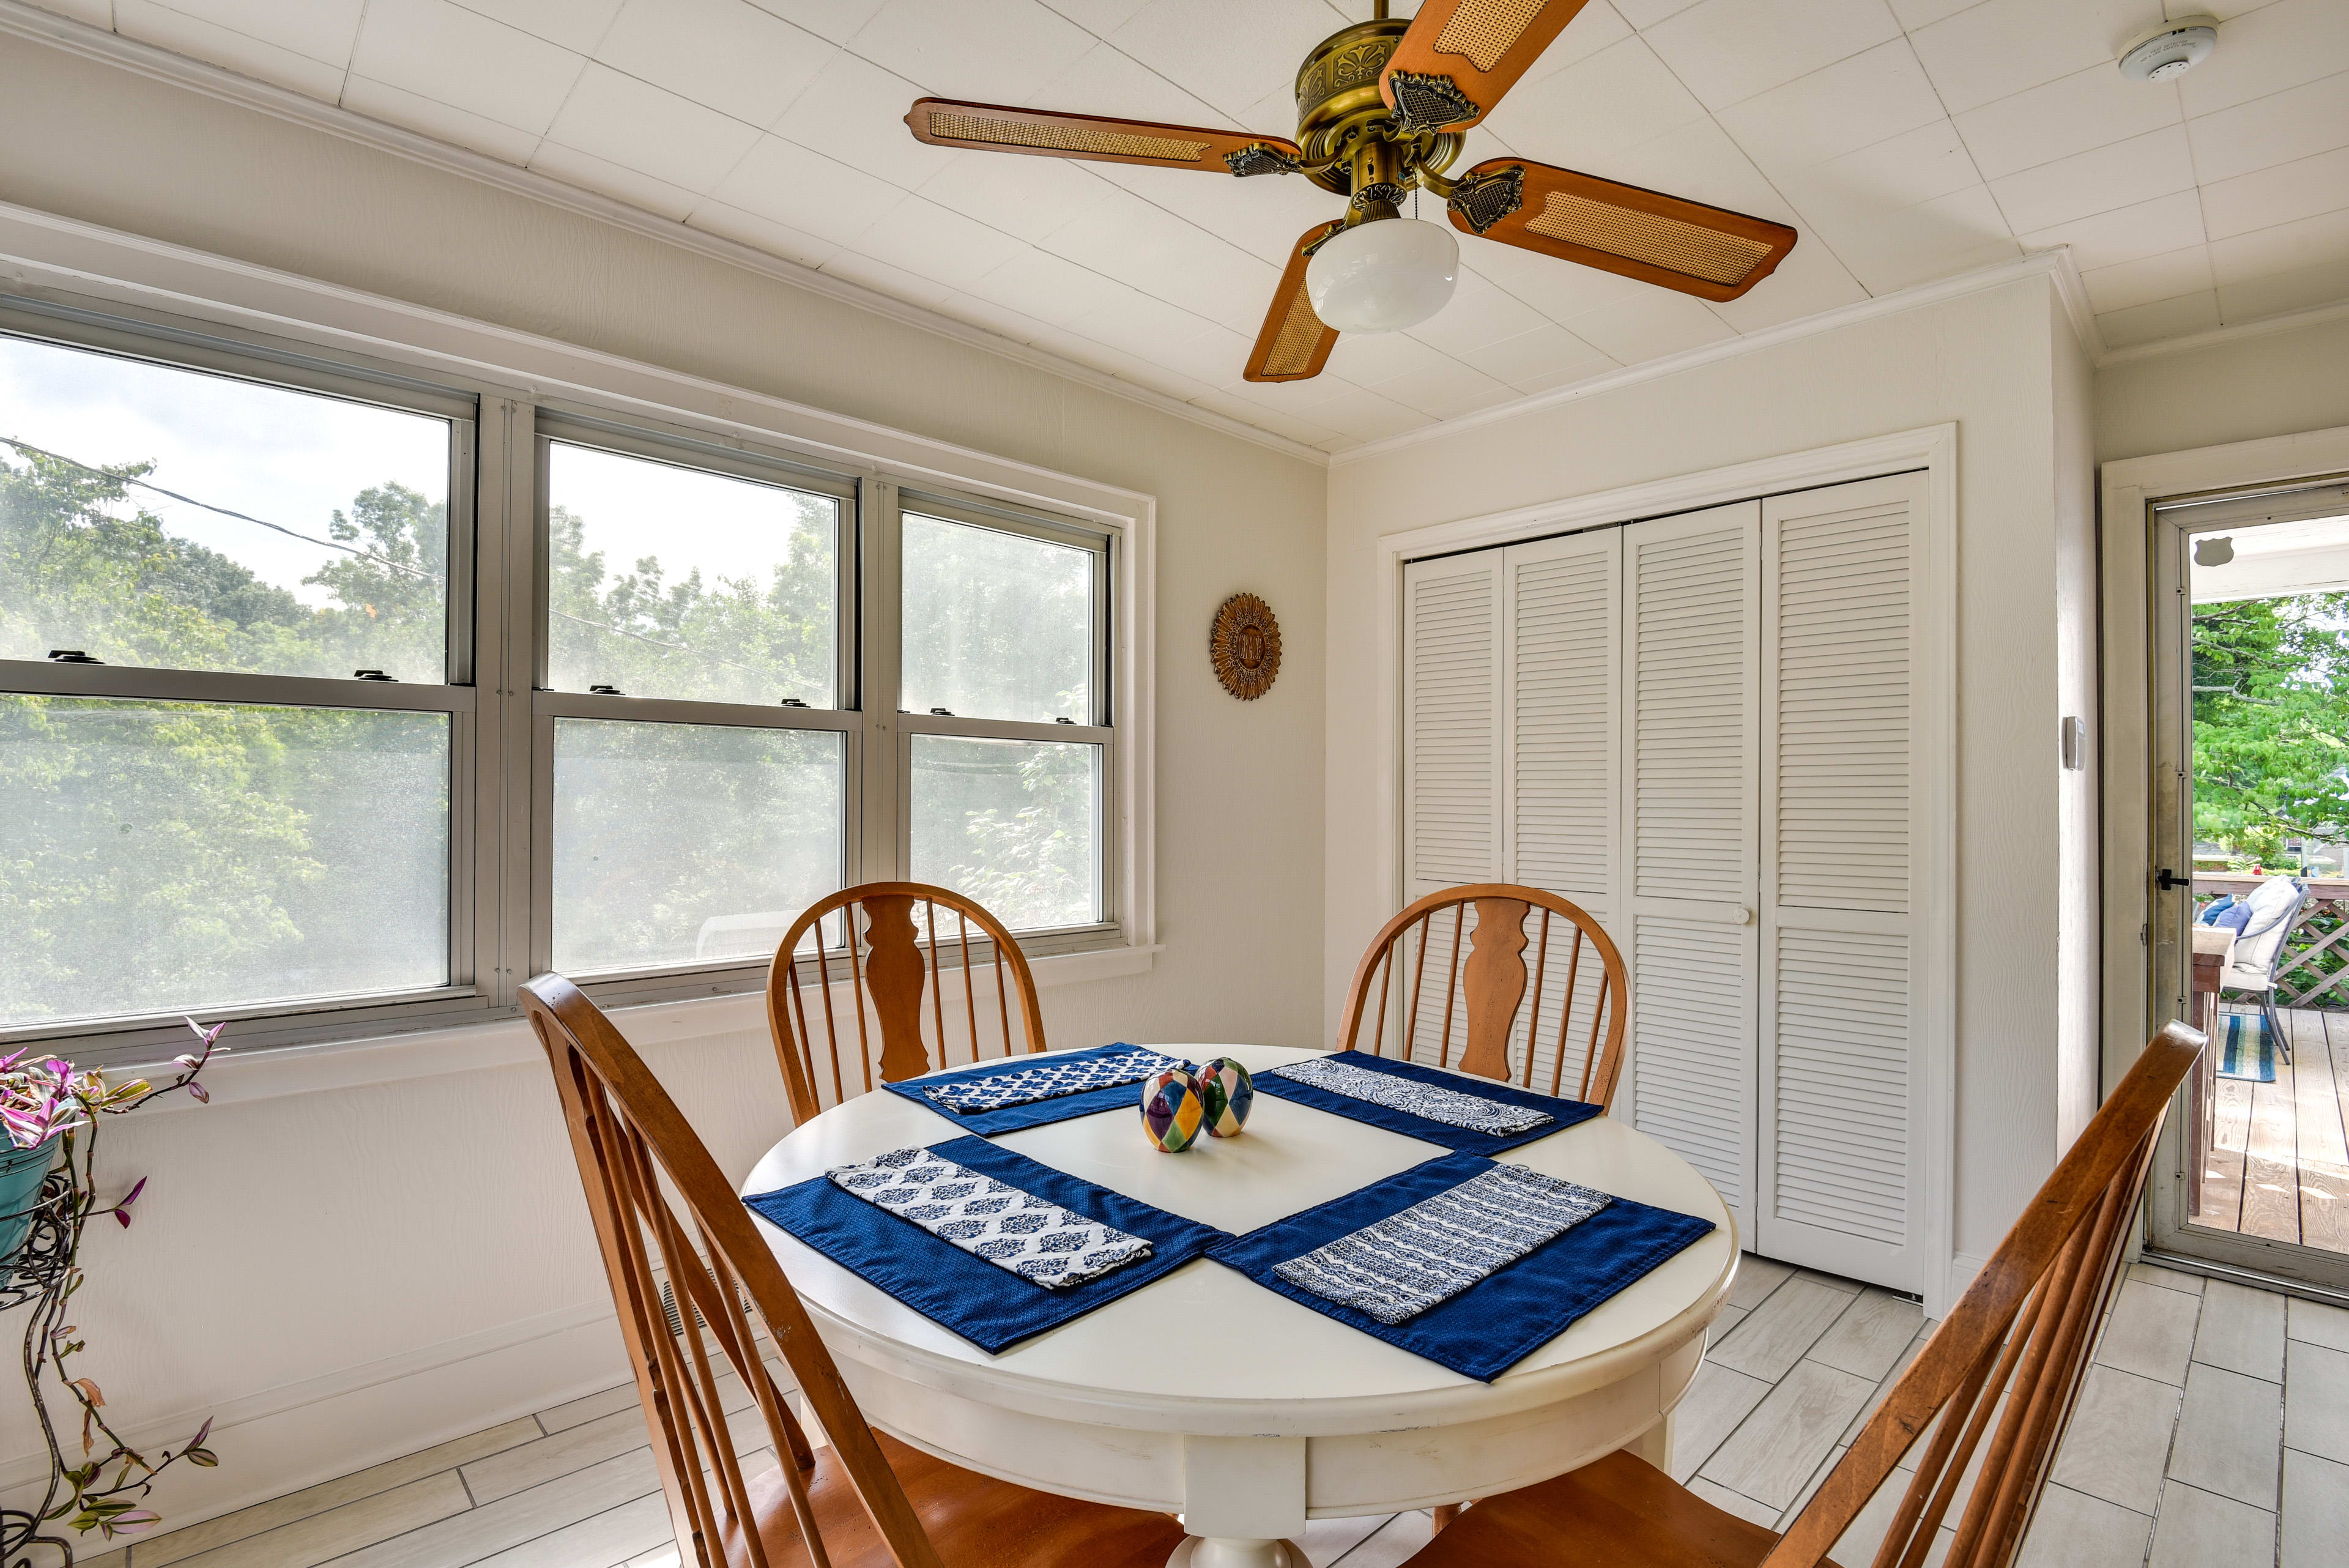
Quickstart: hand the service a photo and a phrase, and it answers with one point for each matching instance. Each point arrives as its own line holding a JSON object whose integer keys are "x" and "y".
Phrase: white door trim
{"x": 1933, "y": 448}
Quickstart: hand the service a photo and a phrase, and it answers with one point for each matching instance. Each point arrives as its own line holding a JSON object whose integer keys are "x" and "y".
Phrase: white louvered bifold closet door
{"x": 1561, "y": 602}
{"x": 1690, "y": 798}
{"x": 1841, "y": 1074}
{"x": 1452, "y": 732}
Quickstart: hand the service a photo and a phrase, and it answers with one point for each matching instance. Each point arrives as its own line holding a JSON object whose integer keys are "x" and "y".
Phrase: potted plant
{"x": 49, "y": 1113}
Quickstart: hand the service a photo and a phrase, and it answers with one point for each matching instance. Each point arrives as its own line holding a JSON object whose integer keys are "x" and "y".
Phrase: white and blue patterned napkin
{"x": 1437, "y": 1105}
{"x": 1048, "y": 1082}
{"x": 1431, "y": 1251}
{"x": 1016, "y": 1231}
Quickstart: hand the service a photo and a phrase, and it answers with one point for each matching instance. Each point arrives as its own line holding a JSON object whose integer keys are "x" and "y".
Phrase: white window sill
{"x": 381, "y": 1059}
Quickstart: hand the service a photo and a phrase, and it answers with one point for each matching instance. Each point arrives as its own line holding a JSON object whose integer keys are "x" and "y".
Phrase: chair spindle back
{"x": 2010, "y": 1354}
{"x": 1480, "y": 973}
{"x": 901, "y": 940}
{"x": 662, "y": 1208}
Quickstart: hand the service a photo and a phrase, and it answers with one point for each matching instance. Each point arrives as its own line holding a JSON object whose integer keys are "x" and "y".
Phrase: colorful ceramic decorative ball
{"x": 1227, "y": 1093}
{"x": 1171, "y": 1111}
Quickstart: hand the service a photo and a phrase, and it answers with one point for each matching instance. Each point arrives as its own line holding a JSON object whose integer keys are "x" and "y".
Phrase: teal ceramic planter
{"x": 21, "y": 1171}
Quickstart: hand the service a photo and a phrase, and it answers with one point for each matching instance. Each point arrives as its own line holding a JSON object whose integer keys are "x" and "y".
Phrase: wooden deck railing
{"x": 2315, "y": 968}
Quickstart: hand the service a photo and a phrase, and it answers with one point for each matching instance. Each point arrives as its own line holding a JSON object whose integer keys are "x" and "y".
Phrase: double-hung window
{"x": 336, "y": 701}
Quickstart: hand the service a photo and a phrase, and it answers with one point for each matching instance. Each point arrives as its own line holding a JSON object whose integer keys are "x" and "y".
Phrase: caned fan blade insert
{"x": 1709, "y": 252}
{"x": 1293, "y": 344}
{"x": 1459, "y": 57}
{"x": 994, "y": 127}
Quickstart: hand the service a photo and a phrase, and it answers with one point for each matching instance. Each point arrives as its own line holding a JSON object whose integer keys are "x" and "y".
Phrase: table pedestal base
{"x": 1235, "y": 1552}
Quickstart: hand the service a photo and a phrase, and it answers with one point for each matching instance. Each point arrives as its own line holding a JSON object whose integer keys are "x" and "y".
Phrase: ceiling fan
{"x": 1381, "y": 109}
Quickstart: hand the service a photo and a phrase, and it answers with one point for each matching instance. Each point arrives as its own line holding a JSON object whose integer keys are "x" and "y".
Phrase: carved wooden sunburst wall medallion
{"x": 1244, "y": 643}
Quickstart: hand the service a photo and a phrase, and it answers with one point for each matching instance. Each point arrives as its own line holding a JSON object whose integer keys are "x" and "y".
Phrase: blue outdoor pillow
{"x": 2235, "y": 917}
{"x": 2210, "y": 917}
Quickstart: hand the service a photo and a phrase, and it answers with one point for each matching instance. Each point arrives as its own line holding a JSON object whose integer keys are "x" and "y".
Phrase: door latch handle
{"x": 2170, "y": 881}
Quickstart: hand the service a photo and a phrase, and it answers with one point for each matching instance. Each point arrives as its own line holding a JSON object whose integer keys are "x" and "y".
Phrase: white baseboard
{"x": 300, "y": 1433}
{"x": 1963, "y": 1267}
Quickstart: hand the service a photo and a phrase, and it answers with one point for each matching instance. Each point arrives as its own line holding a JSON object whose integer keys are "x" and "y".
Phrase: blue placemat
{"x": 1036, "y": 1113}
{"x": 1563, "y": 1114}
{"x": 992, "y": 1308}
{"x": 1503, "y": 1318}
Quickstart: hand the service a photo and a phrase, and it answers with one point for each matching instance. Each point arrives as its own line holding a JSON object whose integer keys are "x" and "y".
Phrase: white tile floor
{"x": 2213, "y": 1432}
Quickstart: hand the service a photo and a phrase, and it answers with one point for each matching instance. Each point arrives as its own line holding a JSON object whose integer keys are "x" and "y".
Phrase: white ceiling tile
{"x": 855, "y": 114}
{"x": 930, "y": 242}
{"x": 995, "y": 318}
{"x": 1648, "y": 13}
{"x": 1209, "y": 357}
{"x": 1447, "y": 392}
{"x": 437, "y": 50}
{"x": 1364, "y": 415}
{"x": 2297, "y": 123}
{"x": 2268, "y": 50}
{"x": 1618, "y": 98}
{"x": 2125, "y": 233}
{"x": 761, "y": 233}
{"x": 998, "y": 53}
{"x": 1099, "y": 17}
{"x": 1232, "y": 52}
{"x": 2281, "y": 194}
{"x": 1650, "y": 325}
{"x": 786, "y": 184}
{"x": 1367, "y": 359}
{"x": 1540, "y": 356}
{"x": 2155, "y": 165}
{"x": 1480, "y": 313}
{"x": 319, "y": 29}
{"x": 1560, "y": 290}
{"x": 639, "y": 126}
{"x": 1811, "y": 279}
{"x": 883, "y": 278}
{"x": 239, "y": 52}
{"x": 96, "y": 12}
{"x": 727, "y": 54}
{"x": 1597, "y": 26}
{"x": 2088, "y": 109}
{"x": 2286, "y": 247}
{"x": 1264, "y": 215}
{"x": 1104, "y": 81}
{"x": 1854, "y": 103}
{"x": 2325, "y": 283}
{"x": 2162, "y": 318}
{"x": 838, "y": 20}
{"x": 1048, "y": 288}
{"x": 1029, "y": 197}
{"x": 1900, "y": 248}
{"x": 576, "y": 25}
{"x": 1728, "y": 50}
{"x": 1916, "y": 14}
{"x": 1236, "y": 402}
{"x": 1996, "y": 50}
{"x": 2149, "y": 279}
{"x": 430, "y": 117}
{"x": 1921, "y": 165}
{"x": 1137, "y": 324}
{"x": 1698, "y": 163}
{"x": 1158, "y": 252}
{"x": 606, "y": 178}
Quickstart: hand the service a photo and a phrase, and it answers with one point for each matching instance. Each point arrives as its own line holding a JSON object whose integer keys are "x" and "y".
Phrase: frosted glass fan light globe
{"x": 1383, "y": 275}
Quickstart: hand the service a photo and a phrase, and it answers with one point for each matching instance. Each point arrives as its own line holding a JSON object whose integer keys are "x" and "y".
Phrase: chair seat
{"x": 2231, "y": 979}
{"x": 1619, "y": 1512}
{"x": 975, "y": 1521}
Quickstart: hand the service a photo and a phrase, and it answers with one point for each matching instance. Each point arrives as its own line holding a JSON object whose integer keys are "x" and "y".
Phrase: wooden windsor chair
{"x": 661, "y": 1203}
{"x": 898, "y": 947}
{"x": 2014, "y": 1351}
{"x": 1484, "y": 984}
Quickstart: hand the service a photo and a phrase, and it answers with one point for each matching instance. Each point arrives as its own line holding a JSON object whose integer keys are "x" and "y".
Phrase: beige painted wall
{"x": 1982, "y": 360}
{"x": 290, "y": 1245}
{"x": 2276, "y": 383}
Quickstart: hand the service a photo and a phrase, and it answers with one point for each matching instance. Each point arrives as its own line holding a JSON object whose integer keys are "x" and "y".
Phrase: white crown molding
{"x": 2217, "y": 337}
{"x": 2054, "y": 265}
{"x": 25, "y": 21}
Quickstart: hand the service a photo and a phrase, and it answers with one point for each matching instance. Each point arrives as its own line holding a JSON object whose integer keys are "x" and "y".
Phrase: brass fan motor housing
{"x": 1339, "y": 107}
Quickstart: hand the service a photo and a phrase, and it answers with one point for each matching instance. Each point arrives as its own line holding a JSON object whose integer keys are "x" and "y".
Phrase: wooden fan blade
{"x": 1294, "y": 345}
{"x": 1458, "y": 57}
{"x": 1709, "y": 252}
{"x": 994, "y": 127}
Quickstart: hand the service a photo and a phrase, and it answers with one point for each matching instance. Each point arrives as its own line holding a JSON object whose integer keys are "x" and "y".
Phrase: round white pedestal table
{"x": 1205, "y": 1394}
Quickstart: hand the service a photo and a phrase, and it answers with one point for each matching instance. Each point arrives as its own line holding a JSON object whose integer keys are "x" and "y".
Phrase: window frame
{"x": 499, "y": 386}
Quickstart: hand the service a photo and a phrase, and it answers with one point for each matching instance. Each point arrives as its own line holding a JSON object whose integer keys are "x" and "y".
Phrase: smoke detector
{"x": 2170, "y": 50}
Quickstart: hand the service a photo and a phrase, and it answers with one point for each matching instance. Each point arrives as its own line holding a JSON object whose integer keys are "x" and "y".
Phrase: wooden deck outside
{"x": 2279, "y": 1161}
